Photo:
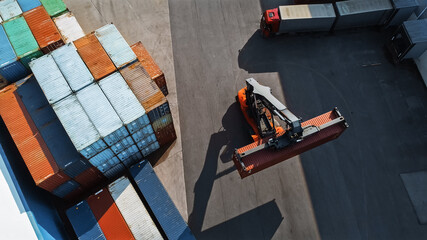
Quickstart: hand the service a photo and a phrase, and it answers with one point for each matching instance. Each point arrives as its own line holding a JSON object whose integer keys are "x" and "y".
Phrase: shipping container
{"x": 162, "y": 122}
{"x": 59, "y": 144}
{"x": 78, "y": 126}
{"x": 133, "y": 210}
{"x": 149, "y": 149}
{"x": 108, "y": 216}
{"x": 101, "y": 160}
{"x": 402, "y": 10}
{"x": 306, "y": 18}
{"x": 138, "y": 124}
{"x": 27, "y": 5}
{"x": 95, "y": 57}
{"x": 116, "y": 171}
{"x": 159, "y": 201}
{"x": 10, "y": 68}
{"x": 362, "y": 13}
{"x": 115, "y": 45}
{"x": 65, "y": 188}
{"x": 102, "y": 114}
{"x": 150, "y": 66}
{"x": 160, "y": 111}
{"x": 143, "y": 133}
{"x": 145, "y": 90}
{"x": 50, "y": 78}
{"x": 409, "y": 41}
{"x": 9, "y": 9}
{"x": 84, "y": 222}
{"x": 122, "y": 145}
{"x": 22, "y": 40}
{"x": 29, "y": 142}
{"x": 129, "y": 152}
{"x": 43, "y": 29}
{"x": 166, "y": 135}
{"x": 72, "y": 67}
{"x": 68, "y": 26}
{"x": 90, "y": 178}
{"x": 144, "y": 143}
{"x": 133, "y": 159}
{"x": 54, "y": 7}
{"x": 122, "y": 98}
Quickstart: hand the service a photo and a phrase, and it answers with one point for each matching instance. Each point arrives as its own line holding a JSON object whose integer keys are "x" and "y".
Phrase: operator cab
{"x": 270, "y": 22}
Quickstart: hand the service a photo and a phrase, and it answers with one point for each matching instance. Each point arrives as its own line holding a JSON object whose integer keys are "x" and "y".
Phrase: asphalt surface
{"x": 352, "y": 184}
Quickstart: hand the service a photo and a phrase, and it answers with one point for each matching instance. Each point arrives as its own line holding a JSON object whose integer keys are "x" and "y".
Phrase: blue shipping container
{"x": 65, "y": 189}
{"x": 27, "y": 5}
{"x": 115, "y": 171}
{"x": 51, "y": 129}
{"x": 33, "y": 201}
{"x": 84, "y": 222}
{"x": 10, "y": 68}
{"x": 159, "y": 201}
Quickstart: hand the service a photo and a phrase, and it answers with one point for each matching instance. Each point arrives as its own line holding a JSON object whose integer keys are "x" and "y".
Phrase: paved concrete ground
{"x": 146, "y": 21}
{"x": 353, "y": 182}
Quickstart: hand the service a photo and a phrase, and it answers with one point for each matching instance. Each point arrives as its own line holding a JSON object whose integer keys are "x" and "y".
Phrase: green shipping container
{"x": 28, "y": 57}
{"x": 54, "y": 7}
{"x": 21, "y": 38}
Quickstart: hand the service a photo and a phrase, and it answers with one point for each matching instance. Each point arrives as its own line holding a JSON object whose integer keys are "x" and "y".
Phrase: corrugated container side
{"x": 27, "y": 5}
{"x": 115, "y": 45}
{"x": 100, "y": 160}
{"x": 121, "y": 98}
{"x": 20, "y": 37}
{"x": 138, "y": 124}
{"x": 30, "y": 144}
{"x": 43, "y": 29}
{"x": 76, "y": 123}
{"x": 65, "y": 189}
{"x": 51, "y": 129}
{"x": 134, "y": 159}
{"x": 50, "y": 78}
{"x": 132, "y": 150}
{"x": 84, "y": 222}
{"x": 360, "y": 13}
{"x": 72, "y": 67}
{"x": 116, "y": 171}
{"x": 147, "y": 92}
{"x": 95, "y": 57}
{"x": 9, "y": 9}
{"x": 108, "y": 216}
{"x": 166, "y": 135}
{"x": 90, "y": 177}
{"x": 99, "y": 110}
{"x": 68, "y": 26}
{"x": 150, "y": 66}
{"x": 133, "y": 210}
{"x": 10, "y": 68}
{"x": 160, "y": 111}
{"x": 162, "y": 122}
{"x": 54, "y": 7}
{"x": 143, "y": 133}
{"x": 122, "y": 145}
{"x": 159, "y": 201}
{"x": 146, "y": 142}
{"x": 150, "y": 149}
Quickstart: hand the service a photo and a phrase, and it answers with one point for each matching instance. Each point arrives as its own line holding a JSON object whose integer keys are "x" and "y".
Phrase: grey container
{"x": 403, "y": 9}
{"x": 410, "y": 40}
{"x": 78, "y": 126}
{"x": 306, "y": 18}
{"x": 362, "y": 13}
{"x": 102, "y": 114}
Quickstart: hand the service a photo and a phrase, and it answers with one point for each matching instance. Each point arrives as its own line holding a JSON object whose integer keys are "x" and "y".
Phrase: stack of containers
{"x": 159, "y": 202}
{"x": 43, "y": 29}
{"x": 150, "y": 66}
{"x": 115, "y": 212}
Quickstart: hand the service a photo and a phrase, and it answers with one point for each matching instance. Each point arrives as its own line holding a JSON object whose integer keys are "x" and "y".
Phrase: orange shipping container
{"x": 43, "y": 29}
{"x": 108, "y": 216}
{"x": 29, "y": 142}
{"x": 95, "y": 57}
{"x": 150, "y": 66}
{"x": 147, "y": 92}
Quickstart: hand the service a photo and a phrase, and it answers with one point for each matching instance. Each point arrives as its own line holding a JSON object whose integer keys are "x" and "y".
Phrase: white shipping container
{"x": 50, "y": 78}
{"x": 76, "y": 122}
{"x": 360, "y": 13}
{"x": 68, "y": 26}
{"x": 122, "y": 98}
{"x": 133, "y": 210}
{"x": 99, "y": 110}
{"x": 115, "y": 45}
{"x": 72, "y": 67}
{"x": 9, "y": 9}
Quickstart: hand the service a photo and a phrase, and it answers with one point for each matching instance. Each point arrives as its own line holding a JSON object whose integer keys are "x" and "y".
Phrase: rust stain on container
{"x": 150, "y": 66}
{"x": 29, "y": 142}
{"x": 269, "y": 157}
{"x": 147, "y": 92}
{"x": 95, "y": 57}
{"x": 108, "y": 216}
{"x": 43, "y": 29}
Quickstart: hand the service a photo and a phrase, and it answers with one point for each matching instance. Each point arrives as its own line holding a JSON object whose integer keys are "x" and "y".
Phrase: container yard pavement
{"x": 146, "y": 21}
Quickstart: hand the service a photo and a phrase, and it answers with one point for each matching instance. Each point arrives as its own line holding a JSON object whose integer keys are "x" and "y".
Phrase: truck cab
{"x": 270, "y": 22}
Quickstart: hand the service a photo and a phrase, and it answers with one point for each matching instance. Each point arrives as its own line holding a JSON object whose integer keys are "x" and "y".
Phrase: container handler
{"x": 274, "y": 143}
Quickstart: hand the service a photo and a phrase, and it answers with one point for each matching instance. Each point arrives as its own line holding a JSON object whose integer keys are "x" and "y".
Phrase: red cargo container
{"x": 165, "y": 135}
{"x": 269, "y": 157}
{"x": 147, "y": 92}
{"x": 108, "y": 216}
{"x": 43, "y": 29}
{"x": 90, "y": 178}
{"x": 29, "y": 142}
{"x": 95, "y": 57}
{"x": 150, "y": 66}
